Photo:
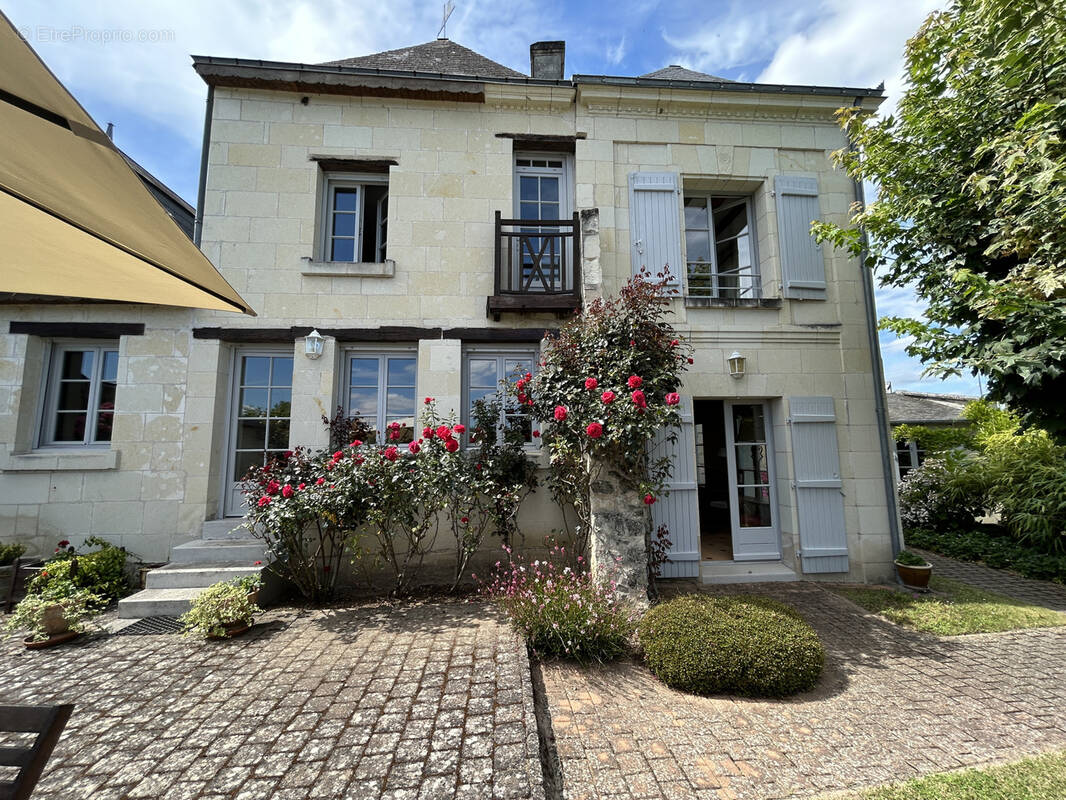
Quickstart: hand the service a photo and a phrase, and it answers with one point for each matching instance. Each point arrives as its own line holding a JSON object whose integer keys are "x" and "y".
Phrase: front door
{"x": 752, "y": 493}
{"x": 259, "y": 418}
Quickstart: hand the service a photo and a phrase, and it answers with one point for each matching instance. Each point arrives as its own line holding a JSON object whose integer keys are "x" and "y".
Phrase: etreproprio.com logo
{"x": 79, "y": 33}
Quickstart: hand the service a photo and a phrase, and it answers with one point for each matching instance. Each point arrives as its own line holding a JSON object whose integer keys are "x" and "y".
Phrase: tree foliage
{"x": 971, "y": 209}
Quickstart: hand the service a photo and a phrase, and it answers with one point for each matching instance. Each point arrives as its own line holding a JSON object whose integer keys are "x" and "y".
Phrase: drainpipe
{"x": 880, "y": 410}
{"x": 198, "y": 224}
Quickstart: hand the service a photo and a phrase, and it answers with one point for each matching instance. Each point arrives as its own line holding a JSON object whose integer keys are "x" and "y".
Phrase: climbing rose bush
{"x": 563, "y": 612}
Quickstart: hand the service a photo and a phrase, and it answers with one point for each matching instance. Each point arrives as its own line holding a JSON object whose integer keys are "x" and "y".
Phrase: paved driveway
{"x": 417, "y": 701}
{"x": 892, "y": 704}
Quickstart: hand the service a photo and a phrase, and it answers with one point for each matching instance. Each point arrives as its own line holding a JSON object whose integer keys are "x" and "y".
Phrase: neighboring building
{"x": 922, "y": 408}
{"x": 375, "y": 200}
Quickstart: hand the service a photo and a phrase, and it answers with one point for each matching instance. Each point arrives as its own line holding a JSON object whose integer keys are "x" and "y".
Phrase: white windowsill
{"x": 58, "y": 460}
{"x": 349, "y": 269}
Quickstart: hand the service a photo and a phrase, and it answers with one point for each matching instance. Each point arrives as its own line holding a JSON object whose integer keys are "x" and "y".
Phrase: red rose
{"x": 690, "y": 361}
{"x": 413, "y": 447}
{"x": 302, "y": 486}
{"x": 427, "y": 432}
{"x": 264, "y": 501}
{"x": 594, "y": 430}
{"x": 64, "y": 543}
{"x": 536, "y": 434}
{"x": 522, "y": 397}
{"x": 635, "y": 382}
{"x": 648, "y": 499}
{"x": 258, "y": 564}
{"x": 451, "y": 445}
{"x": 459, "y": 428}
{"x": 286, "y": 491}
{"x": 320, "y": 481}
{"x": 520, "y": 384}
{"x": 632, "y": 343}
{"x": 607, "y": 397}
{"x": 591, "y": 383}
{"x": 560, "y": 413}
{"x": 639, "y": 400}
{"x": 443, "y": 432}
{"x": 288, "y": 454}
{"x": 356, "y": 443}
{"x": 674, "y": 343}
{"x": 272, "y": 487}
{"x": 464, "y": 520}
{"x": 673, "y": 398}
{"x": 529, "y": 376}
{"x": 337, "y": 456}
{"x": 428, "y": 400}
{"x": 391, "y": 453}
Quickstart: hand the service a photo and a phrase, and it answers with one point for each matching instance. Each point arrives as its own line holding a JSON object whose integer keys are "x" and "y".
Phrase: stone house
{"x": 928, "y": 410}
{"x": 431, "y": 214}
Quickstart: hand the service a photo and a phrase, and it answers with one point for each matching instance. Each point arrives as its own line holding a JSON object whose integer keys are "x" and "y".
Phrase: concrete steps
{"x": 198, "y": 576}
{"x": 157, "y": 603}
{"x": 745, "y": 572}
{"x": 206, "y": 551}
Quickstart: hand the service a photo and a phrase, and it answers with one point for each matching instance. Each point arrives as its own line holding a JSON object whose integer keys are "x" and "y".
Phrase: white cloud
{"x": 616, "y": 53}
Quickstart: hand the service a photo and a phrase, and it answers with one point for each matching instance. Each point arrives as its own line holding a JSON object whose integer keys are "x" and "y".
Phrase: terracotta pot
{"x": 914, "y": 577}
{"x": 233, "y": 629}
{"x": 51, "y": 641}
{"x": 253, "y": 597}
{"x": 54, "y": 621}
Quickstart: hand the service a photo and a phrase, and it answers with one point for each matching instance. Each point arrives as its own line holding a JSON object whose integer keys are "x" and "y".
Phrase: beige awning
{"x": 75, "y": 220}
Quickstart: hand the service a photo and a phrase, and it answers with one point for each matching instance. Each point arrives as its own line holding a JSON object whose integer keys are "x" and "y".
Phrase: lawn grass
{"x": 1039, "y": 778}
{"x": 952, "y": 609}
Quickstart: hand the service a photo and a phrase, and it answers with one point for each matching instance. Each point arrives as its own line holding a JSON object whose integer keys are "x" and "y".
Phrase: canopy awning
{"x": 75, "y": 220}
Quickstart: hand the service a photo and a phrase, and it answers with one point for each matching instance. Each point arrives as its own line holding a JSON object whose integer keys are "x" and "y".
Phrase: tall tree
{"x": 971, "y": 209}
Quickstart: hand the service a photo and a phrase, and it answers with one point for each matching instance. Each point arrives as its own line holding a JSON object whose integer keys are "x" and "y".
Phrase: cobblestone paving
{"x": 892, "y": 704}
{"x": 1041, "y": 593}
{"x": 413, "y": 702}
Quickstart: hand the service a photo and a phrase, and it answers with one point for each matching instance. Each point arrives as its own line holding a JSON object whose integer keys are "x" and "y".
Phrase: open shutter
{"x": 680, "y": 511}
{"x": 802, "y": 264}
{"x": 819, "y": 493}
{"x": 655, "y": 223}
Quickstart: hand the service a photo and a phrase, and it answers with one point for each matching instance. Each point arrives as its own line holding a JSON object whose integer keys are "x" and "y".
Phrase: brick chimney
{"x": 547, "y": 60}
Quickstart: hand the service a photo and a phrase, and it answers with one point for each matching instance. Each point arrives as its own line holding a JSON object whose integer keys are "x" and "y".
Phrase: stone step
{"x": 199, "y": 576}
{"x": 213, "y": 551}
{"x": 745, "y": 572}
{"x": 157, "y": 603}
{"x": 227, "y": 528}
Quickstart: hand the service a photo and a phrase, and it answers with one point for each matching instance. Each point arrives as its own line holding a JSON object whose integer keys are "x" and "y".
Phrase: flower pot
{"x": 253, "y": 597}
{"x": 914, "y": 577}
{"x": 51, "y": 641}
{"x": 54, "y": 621}
{"x": 232, "y": 629}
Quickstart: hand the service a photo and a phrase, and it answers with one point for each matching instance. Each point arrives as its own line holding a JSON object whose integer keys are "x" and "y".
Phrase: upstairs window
{"x": 356, "y": 219}
{"x": 720, "y": 247}
{"x": 79, "y": 406}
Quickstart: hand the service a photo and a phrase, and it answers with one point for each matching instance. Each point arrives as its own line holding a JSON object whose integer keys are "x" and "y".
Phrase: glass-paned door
{"x": 541, "y": 193}
{"x": 484, "y": 374}
{"x": 753, "y": 507}
{"x": 260, "y": 413}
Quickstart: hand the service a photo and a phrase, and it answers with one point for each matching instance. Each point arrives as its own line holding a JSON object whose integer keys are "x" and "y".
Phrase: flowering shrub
{"x": 606, "y": 385}
{"x": 101, "y": 572}
{"x": 562, "y": 612}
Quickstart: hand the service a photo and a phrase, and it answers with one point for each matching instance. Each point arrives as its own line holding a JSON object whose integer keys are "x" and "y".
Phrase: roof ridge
{"x": 437, "y": 55}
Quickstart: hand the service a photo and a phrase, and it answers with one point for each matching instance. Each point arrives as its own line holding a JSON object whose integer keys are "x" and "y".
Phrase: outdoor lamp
{"x": 736, "y": 365}
{"x": 313, "y": 344}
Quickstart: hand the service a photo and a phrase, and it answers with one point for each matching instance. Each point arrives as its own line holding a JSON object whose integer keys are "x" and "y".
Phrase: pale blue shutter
{"x": 655, "y": 223}
{"x": 680, "y": 511}
{"x": 802, "y": 264}
{"x": 819, "y": 492}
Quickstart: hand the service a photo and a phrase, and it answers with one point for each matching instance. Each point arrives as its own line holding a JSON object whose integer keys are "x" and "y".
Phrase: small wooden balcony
{"x": 537, "y": 266}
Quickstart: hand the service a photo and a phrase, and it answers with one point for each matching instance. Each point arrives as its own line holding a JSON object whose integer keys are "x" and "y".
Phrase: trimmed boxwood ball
{"x": 745, "y": 645}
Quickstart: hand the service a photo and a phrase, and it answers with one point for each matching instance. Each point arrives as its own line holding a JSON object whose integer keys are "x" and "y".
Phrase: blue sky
{"x": 127, "y": 61}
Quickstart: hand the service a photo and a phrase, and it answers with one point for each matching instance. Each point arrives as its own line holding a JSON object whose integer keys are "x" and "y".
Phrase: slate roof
{"x": 675, "y": 72}
{"x": 441, "y": 56}
{"x": 923, "y": 408}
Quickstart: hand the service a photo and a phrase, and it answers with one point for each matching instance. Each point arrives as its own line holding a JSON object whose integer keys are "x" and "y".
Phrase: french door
{"x": 753, "y": 494}
{"x": 541, "y": 192}
{"x": 260, "y": 409}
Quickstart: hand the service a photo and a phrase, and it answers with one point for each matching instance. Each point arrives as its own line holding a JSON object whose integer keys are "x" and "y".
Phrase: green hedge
{"x": 995, "y": 550}
{"x": 746, "y": 645}
{"x": 102, "y": 572}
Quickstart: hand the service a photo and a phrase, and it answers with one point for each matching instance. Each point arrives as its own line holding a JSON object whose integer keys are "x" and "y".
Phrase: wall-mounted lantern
{"x": 313, "y": 344}
{"x": 736, "y": 365}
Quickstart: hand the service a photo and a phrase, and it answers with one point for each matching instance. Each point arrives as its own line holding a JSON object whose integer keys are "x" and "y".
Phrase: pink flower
{"x": 560, "y": 413}
{"x": 356, "y": 443}
{"x": 413, "y": 447}
{"x": 286, "y": 491}
{"x": 443, "y": 431}
{"x": 635, "y": 382}
{"x": 451, "y": 445}
{"x": 391, "y": 453}
{"x": 320, "y": 481}
{"x": 639, "y": 400}
{"x": 673, "y": 398}
{"x": 258, "y": 564}
{"x": 594, "y": 430}
{"x": 459, "y": 428}
{"x": 337, "y": 456}
{"x": 607, "y": 397}
{"x": 428, "y": 400}
{"x": 264, "y": 501}
{"x": 648, "y": 499}
{"x": 302, "y": 486}
{"x": 591, "y": 383}
{"x": 674, "y": 343}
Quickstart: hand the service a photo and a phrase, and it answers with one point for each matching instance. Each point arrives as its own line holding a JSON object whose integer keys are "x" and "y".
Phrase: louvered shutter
{"x": 680, "y": 511}
{"x": 802, "y": 264}
{"x": 819, "y": 492}
{"x": 655, "y": 223}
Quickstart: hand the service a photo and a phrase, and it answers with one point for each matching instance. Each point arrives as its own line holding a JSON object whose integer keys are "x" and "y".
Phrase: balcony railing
{"x": 537, "y": 265}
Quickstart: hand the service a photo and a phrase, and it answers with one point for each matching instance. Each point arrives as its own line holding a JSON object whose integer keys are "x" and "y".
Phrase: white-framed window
{"x": 355, "y": 217}
{"x": 720, "y": 246}
{"x": 381, "y": 389}
{"x": 484, "y": 372}
{"x": 79, "y": 397}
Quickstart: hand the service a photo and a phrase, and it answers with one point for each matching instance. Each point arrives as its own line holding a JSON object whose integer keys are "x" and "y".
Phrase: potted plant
{"x": 221, "y": 611}
{"x": 8, "y": 554}
{"x": 52, "y": 619}
{"x": 913, "y": 570}
{"x": 252, "y": 584}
